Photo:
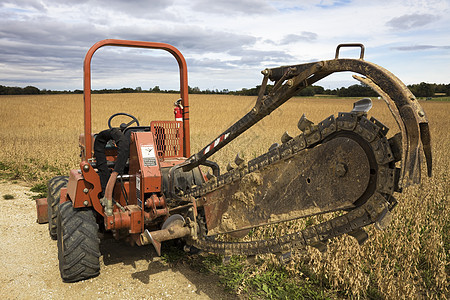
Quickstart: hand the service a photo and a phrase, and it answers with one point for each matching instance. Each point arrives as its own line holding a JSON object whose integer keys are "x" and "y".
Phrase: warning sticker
{"x": 148, "y": 155}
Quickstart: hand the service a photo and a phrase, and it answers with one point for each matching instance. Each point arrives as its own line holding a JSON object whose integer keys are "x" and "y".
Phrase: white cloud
{"x": 218, "y": 38}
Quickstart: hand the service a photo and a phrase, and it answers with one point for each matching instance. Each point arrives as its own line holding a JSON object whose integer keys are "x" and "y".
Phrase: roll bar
{"x": 135, "y": 44}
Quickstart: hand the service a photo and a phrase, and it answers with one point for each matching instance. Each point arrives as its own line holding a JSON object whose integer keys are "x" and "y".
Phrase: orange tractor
{"x": 141, "y": 183}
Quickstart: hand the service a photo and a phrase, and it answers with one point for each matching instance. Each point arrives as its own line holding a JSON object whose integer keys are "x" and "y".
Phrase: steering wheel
{"x": 123, "y": 125}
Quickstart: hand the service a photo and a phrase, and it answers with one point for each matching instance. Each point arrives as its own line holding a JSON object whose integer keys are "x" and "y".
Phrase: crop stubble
{"x": 410, "y": 259}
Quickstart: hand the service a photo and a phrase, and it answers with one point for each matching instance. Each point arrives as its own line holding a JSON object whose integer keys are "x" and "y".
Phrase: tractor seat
{"x": 111, "y": 147}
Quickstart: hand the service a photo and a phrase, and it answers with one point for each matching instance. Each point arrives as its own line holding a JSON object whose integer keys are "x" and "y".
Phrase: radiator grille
{"x": 168, "y": 137}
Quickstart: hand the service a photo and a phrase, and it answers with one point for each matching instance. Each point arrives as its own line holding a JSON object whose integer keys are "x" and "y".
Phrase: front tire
{"x": 78, "y": 243}
{"x": 54, "y": 187}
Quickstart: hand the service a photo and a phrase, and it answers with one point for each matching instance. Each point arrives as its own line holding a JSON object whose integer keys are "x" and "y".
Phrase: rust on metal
{"x": 157, "y": 206}
{"x": 343, "y": 164}
{"x": 136, "y": 44}
{"x": 299, "y": 186}
{"x": 157, "y": 237}
{"x": 41, "y": 209}
{"x": 91, "y": 181}
{"x": 415, "y": 130}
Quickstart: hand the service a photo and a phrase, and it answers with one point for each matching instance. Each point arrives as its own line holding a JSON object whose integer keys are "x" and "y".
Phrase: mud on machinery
{"x": 141, "y": 182}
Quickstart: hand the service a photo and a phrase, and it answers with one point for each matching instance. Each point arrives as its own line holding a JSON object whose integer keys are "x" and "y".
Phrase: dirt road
{"x": 29, "y": 264}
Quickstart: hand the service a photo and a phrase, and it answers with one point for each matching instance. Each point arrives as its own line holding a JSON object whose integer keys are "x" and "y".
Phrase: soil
{"x": 29, "y": 259}
{"x": 241, "y": 200}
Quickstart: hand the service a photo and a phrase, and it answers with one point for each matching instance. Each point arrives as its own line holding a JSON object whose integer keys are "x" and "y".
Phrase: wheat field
{"x": 408, "y": 260}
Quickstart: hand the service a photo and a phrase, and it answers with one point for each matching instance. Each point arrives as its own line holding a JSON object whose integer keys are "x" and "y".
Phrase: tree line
{"x": 422, "y": 89}
{"x": 358, "y": 90}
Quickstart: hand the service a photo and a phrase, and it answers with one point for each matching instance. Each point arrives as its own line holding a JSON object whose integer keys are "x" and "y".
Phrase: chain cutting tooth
{"x": 304, "y": 124}
{"x": 209, "y": 175}
{"x": 362, "y": 106}
{"x": 321, "y": 246}
{"x": 360, "y": 235}
{"x": 384, "y": 219}
{"x": 285, "y": 258}
{"x": 285, "y": 137}
{"x": 273, "y": 146}
{"x": 239, "y": 159}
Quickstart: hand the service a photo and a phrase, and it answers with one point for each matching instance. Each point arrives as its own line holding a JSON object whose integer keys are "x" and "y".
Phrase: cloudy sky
{"x": 226, "y": 43}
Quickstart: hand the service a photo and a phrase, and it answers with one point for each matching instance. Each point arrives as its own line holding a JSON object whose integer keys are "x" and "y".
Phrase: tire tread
{"x": 54, "y": 187}
{"x": 78, "y": 243}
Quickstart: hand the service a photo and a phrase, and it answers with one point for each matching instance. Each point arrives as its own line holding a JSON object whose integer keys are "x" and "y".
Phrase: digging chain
{"x": 376, "y": 209}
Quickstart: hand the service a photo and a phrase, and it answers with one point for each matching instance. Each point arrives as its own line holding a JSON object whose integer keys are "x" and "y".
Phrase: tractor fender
{"x": 84, "y": 188}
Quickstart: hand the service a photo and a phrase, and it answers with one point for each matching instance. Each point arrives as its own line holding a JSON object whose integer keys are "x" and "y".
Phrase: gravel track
{"x": 29, "y": 261}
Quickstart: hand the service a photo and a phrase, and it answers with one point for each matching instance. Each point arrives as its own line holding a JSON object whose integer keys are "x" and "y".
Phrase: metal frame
{"x": 170, "y": 139}
{"x": 289, "y": 80}
{"x": 135, "y": 44}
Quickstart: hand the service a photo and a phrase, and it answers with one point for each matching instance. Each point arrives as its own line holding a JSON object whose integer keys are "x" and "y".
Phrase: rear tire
{"x": 78, "y": 243}
{"x": 54, "y": 187}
